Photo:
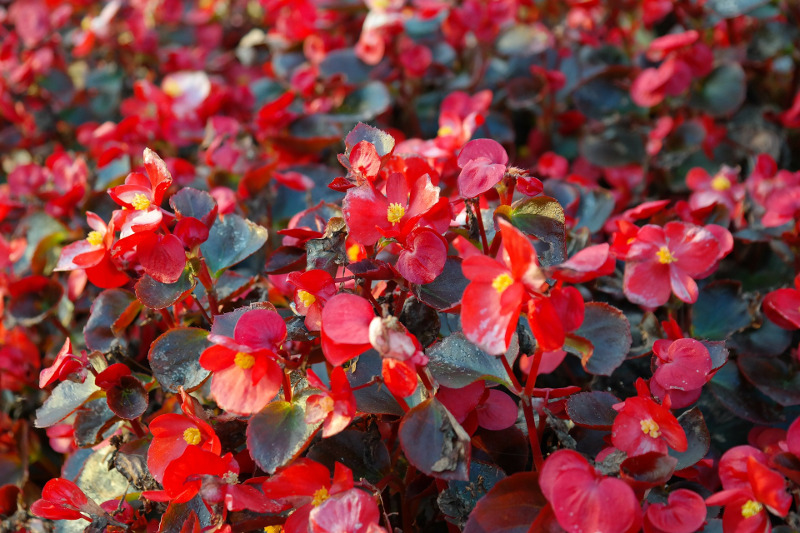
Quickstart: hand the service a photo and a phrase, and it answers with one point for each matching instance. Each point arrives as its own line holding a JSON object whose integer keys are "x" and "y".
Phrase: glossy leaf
{"x": 697, "y": 436}
{"x": 174, "y": 358}
{"x": 446, "y": 290}
{"x": 511, "y": 506}
{"x": 278, "y": 433}
{"x": 157, "y": 295}
{"x": 230, "y": 241}
{"x": 609, "y": 331}
{"x": 106, "y": 309}
{"x": 729, "y": 388}
{"x": 592, "y": 409}
{"x": 773, "y": 377}
{"x": 455, "y": 362}
{"x": 720, "y": 310}
{"x": 460, "y": 497}
{"x": 63, "y": 400}
{"x": 543, "y": 218}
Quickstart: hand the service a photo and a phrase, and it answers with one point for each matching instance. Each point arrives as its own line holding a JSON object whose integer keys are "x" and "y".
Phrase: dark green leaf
{"x": 773, "y": 377}
{"x": 447, "y": 289}
{"x": 363, "y": 452}
{"x": 543, "y": 218}
{"x": 459, "y": 498}
{"x": 278, "y": 433}
{"x": 741, "y": 399}
{"x": 595, "y": 206}
{"x": 230, "y": 241}
{"x": 592, "y": 409}
{"x": 607, "y": 328}
{"x": 106, "y": 309}
{"x": 65, "y": 398}
{"x": 434, "y": 442}
{"x": 723, "y": 91}
{"x": 720, "y": 310}
{"x": 616, "y": 146}
{"x": 694, "y": 425}
{"x": 189, "y": 202}
{"x": 511, "y": 506}
{"x": 157, "y": 295}
{"x": 455, "y": 362}
{"x": 174, "y": 358}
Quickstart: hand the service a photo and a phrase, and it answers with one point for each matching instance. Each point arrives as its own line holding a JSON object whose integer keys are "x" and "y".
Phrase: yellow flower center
{"x": 172, "y": 88}
{"x": 306, "y": 297}
{"x": 273, "y": 529}
{"x": 244, "y": 360}
{"x": 395, "y": 213}
{"x": 502, "y": 282}
{"x": 95, "y": 238}
{"x": 352, "y": 253}
{"x": 231, "y": 478}
{"x": 649, "y": 427}
{"x": 444, "y": 131}
{"x": 192, "y": 436}
{"x": 320, "y": 496}
{"x": 140, "y": 202}
{"x": 720, "y": 183}
{"x": 751, "y": 508}
{"x": 665, "y": 257}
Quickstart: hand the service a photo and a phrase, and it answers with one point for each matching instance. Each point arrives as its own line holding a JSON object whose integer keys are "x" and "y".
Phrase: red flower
{"x": 721, "y": 188}
{"x": 483, "y": 165}
{"x": 401, "y": 354}
{"x": 183, "y": 477}
{"x": 335, "y": 407}
{"x": 682, "y": 365}
{"x": 173, "y": 433}
{"x": 64, "y": 500}
{"x": 139, "y": 192}
{"x": 477, "y": 405}
{"x": 783, "y": 306}
{"x": 314, "y": 288}
{"x": 684, "y": 512}
{"x": 643, "y": 426}
{"x": 492, "y": 301}
{"x": 582, "y": 498}
{"x": 354, "y": 511}
{"x": 64, "y": 365}
{"x": 750, "y": 489}
{"x": 345, "y": 327}
{"x": 666, "y": 260}
{"x": 590, "y": 263}
{"x": 245, "y": 374}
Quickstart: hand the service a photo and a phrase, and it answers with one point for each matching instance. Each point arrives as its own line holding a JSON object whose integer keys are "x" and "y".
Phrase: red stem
{"x": 287, "y": 387}
{"x": 481, "y": 229}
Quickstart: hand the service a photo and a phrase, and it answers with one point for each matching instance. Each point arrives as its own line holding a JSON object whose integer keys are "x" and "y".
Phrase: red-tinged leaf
{"x": 128, "y": 398}
{"x": 162, "y": 257}
{"x": 382, "y": 141}
{"x": 192, "y": 203}
{"x": 434, "y": 442}
{"x": 446, "y": 290}
{"x": 372, "y": 269}
{"x": 648, "y": 470}
{"x": 33, "y": 299}
{"x": 511, "y": 506}
{"x": 285, "y": 259}
{"x": 277, "y": 434}
{"x": 175, "y": 358}
{"x": 593, "y": 409}
{"x": 609, "y": 332}
{"x": 157, "y": 295}
{"x": 541, "y": 217}
{"x": 697, "y": 436}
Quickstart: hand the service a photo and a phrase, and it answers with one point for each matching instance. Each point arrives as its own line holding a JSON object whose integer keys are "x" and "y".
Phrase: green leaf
{"x": 278, "y": 433}
{"x": 773, "y": 377}
{"x": 511, "y": 506}
{"x": 543, "y": 218}
{"x": 592, "y": 409}
{"x": 175, "y": 358}
{"x": 157, "y": 295}
{"x": 720, "y": 311}
{"x": 460, "y": 497}
{"x": 609, "y": 331}
{"x": 698, "y": 437}
{"x": 189, "y": 202}
{"x": 455, "y": 362}
{"x": 65, "y": 398}
{"x": 230, "y": 241}
{"x": 434, "y": 442}
{"x": 727, "y": 386}
{"x": 734, "y": 8}
{"x": 723, "y": 91}
{"x": 616, "y": 146}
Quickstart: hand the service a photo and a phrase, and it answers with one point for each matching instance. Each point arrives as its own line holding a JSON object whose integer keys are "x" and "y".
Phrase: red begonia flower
{"x": 483, "y": 165}
{"x": 782, "y": 306}
{"x": 183, "y": 477}
{"x": 64, "y": 500}
{"x": 245, "y": 374}
{"x": 162, "y": 257}
{"x": 314, "y": 288}
{"x": 684, "y": 512}
{"x": 345, "y": 327}
{"x": 87, "y": 252}
{"x": 354, "y": 511}
{"x": 401, "y": 352}
{"x": 643, "y": 426}
{"x": 64, "y": 365}
{"x": 582, "y": 498}
{"x": 492, "y": 301}
{"x": 335, "y": 407}
{"x": 664, "y": 260}
{"x": 683, "y": 364}
{"x": 590, "y": 263}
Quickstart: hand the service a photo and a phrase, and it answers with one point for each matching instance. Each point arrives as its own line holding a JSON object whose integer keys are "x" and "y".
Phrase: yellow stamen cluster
{"x": 502, "y": 282}
{"x": 353, "y": 252}
{"x": 649, "y": 427}
{"x": 273, "y": 529}
{"x": 231, "y": 478}
{"x": 665, "y": 257}
{"x": 720, "y": 183}
{"x": 395, "y": 213}
{"x": 306, "y": 297}
{"x": 95, "y": 238}
{"x": 192, "y": 436}
{"x": 444, "y": 131}
{"x": 244, "y": 360}
{"x": 140, "y": 202}
{"x": 320, "y": 496}
{"x": 751, "y": 508}
{"x": 172, "y": 89}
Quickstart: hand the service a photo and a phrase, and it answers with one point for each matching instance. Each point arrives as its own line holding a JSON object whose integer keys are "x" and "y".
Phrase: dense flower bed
{"x": 400, "y": 265}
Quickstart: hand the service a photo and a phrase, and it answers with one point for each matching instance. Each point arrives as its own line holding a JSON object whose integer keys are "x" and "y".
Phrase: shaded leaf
{"x": 230, "y": 241}
{"x": 278, "y": 433}
{"x": 177, "y": 514}
{"x": 91, "y": 421}
{"x": 434, "y": 442}
{"x": 741, "y": 399}
{"x": 455, "y": 362}
{"x": 607, "y": 328}
{"x": 157, "y": 295}
{"x": 734, "y": 8}
{"x": 698, "y": 437}
{"x": 33, "y": 299}
{"x": 285, "y": 259}
{"x": 363, "y": 452}
{"x": 723, "y": 91}
{"x": 720, "y": 310}
{"x": 65, "y": 398}
{"x": 189, "y": 202}
{"x": 460, "y": 497}
{"x": 127, "y": 398}
{"x": 592, "y": 409}
{"x": 175, "y": 358}
{"x": 616, "y": 146}
{"x": 511, "y": 506}
{"x": 773, "y": 377}
{"x": 446, "y": 290}
{"x": 106, "y": 310}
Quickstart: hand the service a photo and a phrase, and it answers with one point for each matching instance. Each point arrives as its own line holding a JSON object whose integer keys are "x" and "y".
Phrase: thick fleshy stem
{"x": 287, "y": 387}
{"x": 527, "y": 409}
{"x": 514, "y": 381}
{"x": 481, "y": 229}
{"x": 208, "y": 284}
